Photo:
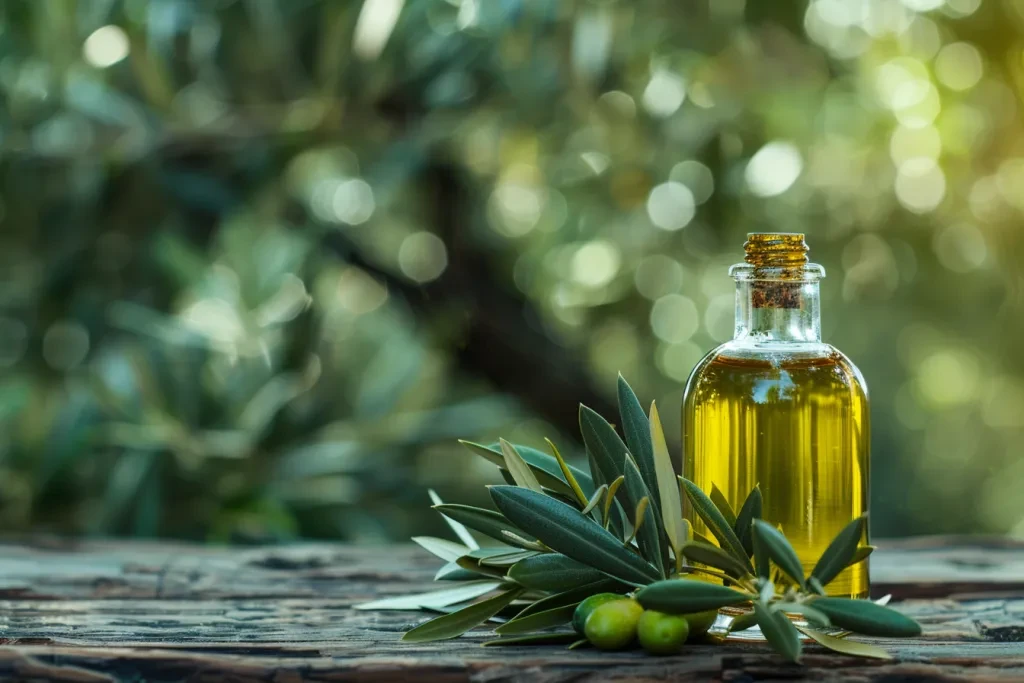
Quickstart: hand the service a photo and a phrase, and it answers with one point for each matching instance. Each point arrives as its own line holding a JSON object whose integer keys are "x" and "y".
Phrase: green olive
{"x": 583, "y": 610}
{"x": 700, "y": 622}
{"x": 662, "y": 634}
{"x": 612, "y": 626}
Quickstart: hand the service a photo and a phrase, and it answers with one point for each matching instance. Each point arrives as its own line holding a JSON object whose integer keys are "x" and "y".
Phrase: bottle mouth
{"x": 776, "y": 256}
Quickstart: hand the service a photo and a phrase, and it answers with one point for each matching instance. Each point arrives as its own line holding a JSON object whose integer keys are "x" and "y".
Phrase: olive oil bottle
{"x": 778, "y": 408}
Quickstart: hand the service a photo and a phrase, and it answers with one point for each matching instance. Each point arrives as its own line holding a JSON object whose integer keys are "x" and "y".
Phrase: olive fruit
{"x": 612, "y": 626}
{"x": 700, "y": 622}
{"x": 583, "y": 610}
{"x": 662, "y": 634}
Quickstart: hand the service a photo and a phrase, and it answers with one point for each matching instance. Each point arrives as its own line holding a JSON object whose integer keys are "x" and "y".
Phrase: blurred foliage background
{"x": 263, "y": 261}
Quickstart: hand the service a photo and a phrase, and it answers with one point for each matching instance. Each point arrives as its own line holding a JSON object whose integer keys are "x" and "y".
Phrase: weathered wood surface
{"x": 162, "y": 612}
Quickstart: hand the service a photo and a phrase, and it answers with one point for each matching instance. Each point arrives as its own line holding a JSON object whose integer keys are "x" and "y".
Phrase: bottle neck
{"x": 777, "y": 311}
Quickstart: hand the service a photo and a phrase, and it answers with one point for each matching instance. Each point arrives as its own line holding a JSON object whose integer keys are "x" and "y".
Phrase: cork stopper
{"x": 775, "y": 250}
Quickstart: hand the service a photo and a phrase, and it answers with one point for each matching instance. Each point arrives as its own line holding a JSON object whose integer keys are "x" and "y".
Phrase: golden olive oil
{"x": 778, "y": 408}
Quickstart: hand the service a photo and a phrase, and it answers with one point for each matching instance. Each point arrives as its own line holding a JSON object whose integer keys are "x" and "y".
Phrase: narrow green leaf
{"x": 742, "y": 622}
{"x": 778, "y": 631}
{"x": 685, "y": 596}
{"x": 599, "y": 494}
{"x": 844, "y": 646}
{"x": 567, "y": 474}
{"x": 867, "y": 618}
{"x": 638, "y": 518}
{"x": 814, "y": 616}
{"x": 720, "y": 501}
{"x": 647, "y": 528}
{"x": 507, "y": 559}
{"x": 609, "y": 498}
{"x": 582, "y": 643}
{"x": 535, "y": 639}
{"x": 863, "y": 552}
{"x": 517, "y": 540}
{"x": 473, "y": 564}
{"x": 449, "y": 551}
{"x": 604, "y": 444}
{"x": 762, "y": 567}
{"x": 518, "y": 468}
{"x": 553, "y": 572}
{"x": 668, "y": 486}
{"x": 537, "y": 621}
{"x": 713, "y": 556}
{"x": 453, "y": 572}
{"x": 840, "y": 552}
{"x": 543, "y": 465}
{"x": 487, "y": 522}
{"x": 432, "y": 599}
{"x": 574, "y": 596}
{"x": 461, "y": 531}
{"x": 455, "y": 624}
{"x": 565, "y": 530}
{"x": 780, "y": 551}
{"x": 638, "y": 437}
{"x": 750, "y": 511}
{"x": 716, "y": 523}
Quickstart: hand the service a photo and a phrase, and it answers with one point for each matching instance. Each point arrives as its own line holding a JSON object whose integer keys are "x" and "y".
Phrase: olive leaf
{"x": 609, "y": 498}
{"x": 638, "y": 437}
{"x": 720, "y": 501}
{"x": 449, "y": 551}
{"x": 862, "y": 554}
{"x": 750, "y": 511}
{"x": 867, "y": 618}
{"x": 668, "y": 487}
{"x": 537, "y": 621}
{"x": 840, "y": 552}
{"x": 638, "y": 519}
{"x": 649, "y": 535}
{"x": 453, "y": 572}
{"x": 573, "y": 596}
{"x": 686, "y": 596}
{"x": 507, "y": 559}
{"x": 844, "y": 646}
{"x": 455, "y": 624}
{"x": 544, "y": 467}
{"x": 778, "y": 631}
{"x": 596, "y": 498}
{"x": 567, "y": 474}
{"x": 780, "y": 551}
{"x": 715, "y": 521}
{"x": 566, "y": 530}
{"x": 487, "y": 522}
{"x": 535, "y": 639}
{"x": 762, "y": 567}
{"x": 817, "y": 617}
{"x": 473, "y": 564}
{"x": 518, "y": 468}
{"x": 743, "y": 622}
{"x": 713, "y": 556}
{"x": 432, "y": 599}
{"x": 461, "y": 531}
{"x": 552, "y": 572}
{"x": 604, "y": 445}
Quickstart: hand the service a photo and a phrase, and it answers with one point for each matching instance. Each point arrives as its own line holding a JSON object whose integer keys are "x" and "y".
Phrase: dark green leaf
{"x": 780, "y": 551}
{"x": 566, "y": 530}
{"x": 812, "y": 615}
{"x": 535, "y": 639}
{"x": 762, "y": 567}
{"x": 778, "y": 631}
{"x": 538, "y": 621}
{"x": 605, "y": 446}
{"x": 713, "y": 556}
{"x": 815, "y": 586}
{"x": 720, "y": 501}
{"x": 685, "y": 596}
{"x": 553, "y": 572}
{"x": 544, "y": 466}
{"x": 840, "y": 552}
{"x": 716, "y": 523}
{"x": 574, "y": 596}
{"x": 487, "y": 522}
{"x": 582, "y": 643}
{"x": 650, "y": 534}
{"x": 864, "y": 616}
{"x": 862, "y": 554}
{"x": 455, "y": 624}
{"x": 743, "y": 622}
{"x": 750, "y": 511}
{"x": 844, "y": 646}
{"x": 638, "y": 437}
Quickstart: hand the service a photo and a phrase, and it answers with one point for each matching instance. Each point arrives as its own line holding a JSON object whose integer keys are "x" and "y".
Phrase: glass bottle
{"x": 778, "y": 408}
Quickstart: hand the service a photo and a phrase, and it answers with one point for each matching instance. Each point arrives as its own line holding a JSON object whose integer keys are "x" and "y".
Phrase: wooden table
{"x": 125, "y": 611}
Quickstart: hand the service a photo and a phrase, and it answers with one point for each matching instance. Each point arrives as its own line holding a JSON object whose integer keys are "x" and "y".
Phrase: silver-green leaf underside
{"x": 845, "y": 646}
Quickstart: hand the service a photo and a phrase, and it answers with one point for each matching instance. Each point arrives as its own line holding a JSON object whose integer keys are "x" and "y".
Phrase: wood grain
{"x": 119, "y": 611}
